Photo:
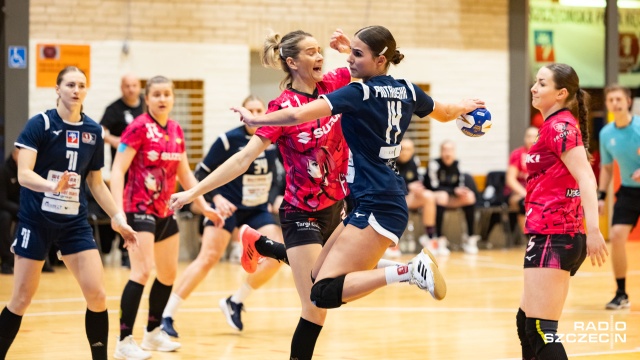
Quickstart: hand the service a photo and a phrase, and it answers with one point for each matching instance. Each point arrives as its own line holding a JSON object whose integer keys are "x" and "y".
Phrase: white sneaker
{"x": 127, "y": 349}
{"x": 426, "y": 275}
{"x": 443, "y": 250}
{"x": 432, "y": 246}
{"x": 158, "y": 340}
{"x": 470, "y": 246}
{"x": 236, "y": 252}
{"x": 424, "y": 240}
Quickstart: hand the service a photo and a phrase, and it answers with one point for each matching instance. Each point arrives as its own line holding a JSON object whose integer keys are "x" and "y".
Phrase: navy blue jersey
{"x": 375, "y": 116}
{"x": 250, "y": 190}
{"x": 60, "y": 145}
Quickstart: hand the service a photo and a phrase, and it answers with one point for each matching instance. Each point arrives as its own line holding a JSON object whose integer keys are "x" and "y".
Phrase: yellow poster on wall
{"x": 51, "y": 58}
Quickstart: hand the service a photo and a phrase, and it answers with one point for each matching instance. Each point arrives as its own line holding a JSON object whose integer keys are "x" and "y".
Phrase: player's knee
{"x": 541, "y": 333}
{"x": 327, "y": 293}
{"x": 96, "y": 298}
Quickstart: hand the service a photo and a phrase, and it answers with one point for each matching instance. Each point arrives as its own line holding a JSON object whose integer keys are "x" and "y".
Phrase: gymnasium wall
{"x": 458, "y": 47}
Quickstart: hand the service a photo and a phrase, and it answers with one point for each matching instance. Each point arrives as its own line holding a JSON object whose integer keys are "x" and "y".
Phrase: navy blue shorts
{"x": 256, "y": 218}
{"x": 33, "y": 242}
{"x": 161, "y": 228}
{"x": 388, "y": 215}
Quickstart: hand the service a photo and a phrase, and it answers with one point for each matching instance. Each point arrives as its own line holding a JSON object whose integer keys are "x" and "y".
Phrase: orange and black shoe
{"x": 250, "y": 255}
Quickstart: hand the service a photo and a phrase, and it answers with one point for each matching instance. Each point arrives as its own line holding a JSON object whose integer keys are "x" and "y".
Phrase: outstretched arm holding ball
{"x": 447, "y": 112}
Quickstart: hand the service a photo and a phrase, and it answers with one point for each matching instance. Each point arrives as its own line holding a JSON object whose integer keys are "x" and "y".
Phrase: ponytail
{"x": 582, "y": 100}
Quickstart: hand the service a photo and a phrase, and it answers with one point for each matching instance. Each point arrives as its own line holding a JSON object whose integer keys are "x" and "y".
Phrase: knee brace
{"x": 327, "y": 293}
{"x": 542, "y": 333}
{"x": 521, "y": 324}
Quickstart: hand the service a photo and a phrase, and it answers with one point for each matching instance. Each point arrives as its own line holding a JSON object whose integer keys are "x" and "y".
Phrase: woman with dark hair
{"x": 561, "y": 191}
{"x": 61, "y": 150}
{"x": 375, "y": 115}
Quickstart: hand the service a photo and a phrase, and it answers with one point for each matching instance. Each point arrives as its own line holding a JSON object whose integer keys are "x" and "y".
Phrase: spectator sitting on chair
{"x": 516, "y": 176}
{"x": 451, "y": 192}
{"x": 117, "y": 116}
{"x": 419, "y": 197}
{"x": 9, "y": 200}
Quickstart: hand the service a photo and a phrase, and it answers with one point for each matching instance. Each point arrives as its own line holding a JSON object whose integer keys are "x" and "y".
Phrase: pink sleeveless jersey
{"x": 553, "y": 198}
{"x": 315, "y": 154}
{"x": 152, "y": 174}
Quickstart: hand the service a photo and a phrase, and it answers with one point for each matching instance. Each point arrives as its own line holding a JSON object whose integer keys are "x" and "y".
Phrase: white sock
{"x": 399, "y": 273}
{"x": 242, "y": 294}
{"x": 172, "y": 305}
{"x": 383, "y": 263}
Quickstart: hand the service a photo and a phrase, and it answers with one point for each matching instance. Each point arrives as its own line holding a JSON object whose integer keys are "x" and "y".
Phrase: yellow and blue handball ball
{"x": 475, "y": 123}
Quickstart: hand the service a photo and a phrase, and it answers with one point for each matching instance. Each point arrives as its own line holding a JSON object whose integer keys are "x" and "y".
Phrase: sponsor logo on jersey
{"x": 56, "y": 132}
{"x": 307, "y": 225}
{"x": 572, "y": 193}
{"x": 305, "y": 137}
{"x": 73, "y": 139}
{"x": 560, "y": 127}
{"x": 167, "y": 156}
{"x": 533, "y": 158}
{"x": 89, "y": 138}
{"x": 153, "y": 155}
{"x": 563, "y": 135}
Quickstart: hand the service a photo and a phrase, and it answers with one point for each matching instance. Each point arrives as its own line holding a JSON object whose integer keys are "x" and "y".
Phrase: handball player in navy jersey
{"x": 375, "y": 115}
{"x": 61, "y": 150}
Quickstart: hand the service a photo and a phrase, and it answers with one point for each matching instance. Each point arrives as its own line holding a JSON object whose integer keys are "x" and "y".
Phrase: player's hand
{"x": 214, "y": 216}
{"x": 469, "y": 105}
{"x": 224, "y": 206}
{"x": 119, "y": 225}
{"x": 67, "y": 180}
{"x": 180, "y": 199}
{"x": 340, "y": 42}
{"x": 596, "y": 248}
{"x": 600, "y": 206}
{"x": 636, "y": 175}
{"x": 245, "y": 115}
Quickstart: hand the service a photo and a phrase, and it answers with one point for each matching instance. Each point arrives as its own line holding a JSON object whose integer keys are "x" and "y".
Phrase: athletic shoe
{"x": 158, "y": 340}
{"x": 620, "y": 301}
{"x": 470, "y": 246}
{"x": 443, "y": 250}
{"x": 250, "y": 256}
{"x": 167, "y": 326}
{"x": 426, "y": 275}
{"x": 231, "y": 312}
{"x": 236, "y": 252}
{"x": 127, "y": 349}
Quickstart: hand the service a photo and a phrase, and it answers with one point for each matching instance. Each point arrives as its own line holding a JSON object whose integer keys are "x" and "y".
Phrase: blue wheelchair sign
{"x": 17, "y": 57}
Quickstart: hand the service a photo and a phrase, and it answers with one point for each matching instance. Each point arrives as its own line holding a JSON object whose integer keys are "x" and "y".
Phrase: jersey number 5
{"x": 73, "y": 159}
{"x": 394, "y": 110}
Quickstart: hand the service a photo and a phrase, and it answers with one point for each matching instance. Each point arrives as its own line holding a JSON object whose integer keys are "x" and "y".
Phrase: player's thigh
{"x": 354, "y": 250}
{"x": 214, "y": 241}
{"x": 166, "y": 258}
{"x": 545, "y": 291}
